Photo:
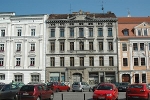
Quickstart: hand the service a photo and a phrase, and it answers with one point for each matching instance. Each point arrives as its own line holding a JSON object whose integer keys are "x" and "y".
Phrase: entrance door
{"x": 125, "y": 78}
{"x": 77, "y": 77}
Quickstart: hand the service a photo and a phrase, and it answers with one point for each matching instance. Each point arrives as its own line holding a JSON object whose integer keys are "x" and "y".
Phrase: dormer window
{"x": 145, "y": 32}
{"x": 139, "y": 32}
{"x": 126, "y": 32}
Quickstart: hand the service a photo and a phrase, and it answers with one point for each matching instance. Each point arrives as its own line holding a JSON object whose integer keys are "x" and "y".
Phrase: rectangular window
{"x": 91, "y": 61}
{"x": 62, "y": 61}
{"x": 2, "y": 33}
{"x": 90, "y": 45}
{"x": 81, "y": 44}
{"x": 2, "y": 77}
{"x": 18, "y": 47}
{"x": 71, "y": 32}
{"x": 143, "y": 78}
{"x": 125, "y": 61}
{"x": 111, "y": 61}
{"x": 81, "y": 33}
{"x": 18, "y": 61}
{"x": 142, "y": 61}
{"x": 1, "y": 61}
{"x": 90, "y": 32}
{"x": 124, "y": 47}
{"x": 81, "y": 61}
{"x": 136, "y": 78}
{"x": 145, "y": 32}
{"x": 139, "y": 32}
{"x": 136, "y": 62}
{"x": 109, "y": 32}
{"x": 52, "y": 46}
{"x": 62, "y": 46}
{"x": 18, "y": 78}
{"x": 100, "y": 32}
{"x": 35, "y": 78}
{"x": 52, "y": 32}
{"x": 100, "y": 46}
{"x": 110, "y": 46}
{"x": 71, "y": 45}
{"x": 126, "y": 32}
{"x": 32, "y": 61}
{"x": 71, "y": 61}
{"x": 32, "y": 32}
{"x": 149, "y": 45}
{"x": 52, "y": 61}
{"x": 62, "y": 32}
{"x": 19, "y": 32}
{"x": 32, "y": 47}
{"x": 101, "y": 61}
{"x": 142, "y": 46}
{"x": 1, "y": 47}
{"x": 135, "y": 46}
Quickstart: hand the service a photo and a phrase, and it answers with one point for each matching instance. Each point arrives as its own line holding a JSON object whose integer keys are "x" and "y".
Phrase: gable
{"x": 143, "y": 25}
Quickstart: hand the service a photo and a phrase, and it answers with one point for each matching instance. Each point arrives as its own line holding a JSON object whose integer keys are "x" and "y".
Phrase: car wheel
{"x": 68, "y": 90}
{"x": 57, "y": 90}
{"x": 16, "y": 97}
{"x": 90, "y": 89}
{"x": 51, "y": 97}
{"x": 82, "y": 90}
{"x": 38, "y": 98}
{"x": 117, "y": 98}
{"x": 73, "y": 90}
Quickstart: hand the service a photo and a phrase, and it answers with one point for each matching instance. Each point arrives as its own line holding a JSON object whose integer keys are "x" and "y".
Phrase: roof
{"x": 133, "y": 20}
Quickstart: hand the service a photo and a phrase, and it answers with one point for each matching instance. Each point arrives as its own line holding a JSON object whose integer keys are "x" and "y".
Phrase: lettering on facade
{"x": 102, "y": 69}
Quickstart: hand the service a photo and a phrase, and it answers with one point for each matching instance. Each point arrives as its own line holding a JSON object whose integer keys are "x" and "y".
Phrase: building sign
{"x": 102, "y": 69}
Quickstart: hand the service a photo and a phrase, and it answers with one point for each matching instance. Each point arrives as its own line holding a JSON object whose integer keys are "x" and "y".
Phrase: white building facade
{"x": 82, "y": 46}
{"x": 22, "y": 47}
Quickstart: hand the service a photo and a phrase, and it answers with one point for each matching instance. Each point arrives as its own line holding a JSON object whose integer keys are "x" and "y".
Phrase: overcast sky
{"x": 119, "y": 7}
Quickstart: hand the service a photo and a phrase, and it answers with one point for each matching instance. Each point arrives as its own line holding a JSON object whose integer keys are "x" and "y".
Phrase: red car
{"x": 35, "y": 92}
{"x": 106, "y": 91}
{"x": 138, "y": 91}
{"x": 57, "y": 86}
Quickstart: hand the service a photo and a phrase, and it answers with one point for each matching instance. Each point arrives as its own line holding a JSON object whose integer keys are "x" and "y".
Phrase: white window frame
{"x": 19, "y": 32}
{"x": 32, "y": 32}
{"x": 1, "y": 61}
{"x": 18, "y": 61}
{"x": 32, "y": 61}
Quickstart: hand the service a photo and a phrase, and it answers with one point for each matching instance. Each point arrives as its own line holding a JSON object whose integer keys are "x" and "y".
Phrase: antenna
{"x": 102, "y": 7}
{"x": 70, "y": 9}
{"x": 129, "y": 15}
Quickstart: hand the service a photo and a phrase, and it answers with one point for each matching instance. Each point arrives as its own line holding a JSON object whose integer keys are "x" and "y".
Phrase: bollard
{"x": 84, "y": 96}
{"x": 62, "y": 96}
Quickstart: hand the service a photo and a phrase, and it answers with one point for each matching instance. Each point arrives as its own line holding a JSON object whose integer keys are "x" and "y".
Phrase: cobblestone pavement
{"x": 80, "y": 96}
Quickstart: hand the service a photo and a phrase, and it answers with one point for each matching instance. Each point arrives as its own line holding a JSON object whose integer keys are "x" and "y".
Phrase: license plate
{"x": 25, "y": 94}
{"x": 135, "y": 97}
{"x": 101, "y": 97}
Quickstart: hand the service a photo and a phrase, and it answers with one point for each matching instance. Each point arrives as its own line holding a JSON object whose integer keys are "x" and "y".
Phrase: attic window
{"x": 90, "y": 23}
{"x": 62, "y": 24}
{"x": 109, "y": 24}
{"x": 53, "y": 24}
{"x": 144, "y": 25}
{"x": 80, "y": 23}
{"x": 126, "y": 32}
{"x": 99, "y": 23}
{"x": 71, "y": 23}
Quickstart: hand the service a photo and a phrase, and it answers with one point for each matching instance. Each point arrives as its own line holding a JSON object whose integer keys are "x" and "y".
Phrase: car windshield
{"x": 27, "y": 88}
{"x": 136, "y": 86}
{"x": 124, "y": 84}
{"x": 76, "y": 83}
{"x": 104, "y": 87}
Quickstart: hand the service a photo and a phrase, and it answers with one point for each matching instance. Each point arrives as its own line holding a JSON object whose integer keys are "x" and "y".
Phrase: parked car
{"x": 138, "y": 91}
{"x": 95, "y": 87}
{"x": 106, "y": 91}
{"x": 19, "y": 84}
{"x": 58, "y": 86}
{"x": 8, "y": 91}
{"x": 35, "y": 92}
{"x": 123, "y": 86}
{"x": 81, "y": 86}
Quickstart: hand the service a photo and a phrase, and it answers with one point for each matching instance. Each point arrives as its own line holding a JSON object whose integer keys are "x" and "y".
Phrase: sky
{"x": 136, "y": 8}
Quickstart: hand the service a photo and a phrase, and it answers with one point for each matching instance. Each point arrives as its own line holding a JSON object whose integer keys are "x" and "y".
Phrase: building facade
{"x": 82, "y": 46}
{"x": 22, "y": 47}
{"x": 134, "y": 49}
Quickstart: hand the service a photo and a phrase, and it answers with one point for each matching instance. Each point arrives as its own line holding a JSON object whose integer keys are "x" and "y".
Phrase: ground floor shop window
{"x": 18, "y": 78}
{"x": 143, "y": 78}
{"x": 62, "y": 77}
{"x": 56, "y": 76}
{"x": 110, "y": 77}
{"x": 2, "y": 76}
{"x": 93, "y": 78}
{"x": 35, "y": 78}
{"x": 136, "y": 78}
{"x": 125, "y": 78}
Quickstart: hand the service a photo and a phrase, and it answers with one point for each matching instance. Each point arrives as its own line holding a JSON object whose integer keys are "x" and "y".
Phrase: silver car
{"x": 81, "y": 86}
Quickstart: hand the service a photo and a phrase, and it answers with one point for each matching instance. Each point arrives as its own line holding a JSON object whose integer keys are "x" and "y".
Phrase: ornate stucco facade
{"x": 133, "y": 49}
{"x": 22, "y": 47}
{"x": 82, "y": 46}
